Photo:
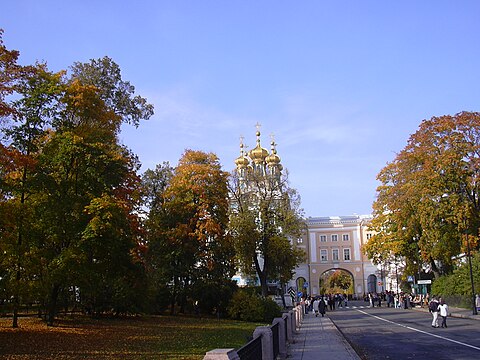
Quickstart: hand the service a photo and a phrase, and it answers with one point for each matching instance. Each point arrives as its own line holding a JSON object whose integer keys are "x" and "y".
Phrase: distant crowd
{"x": 390, "y": 298}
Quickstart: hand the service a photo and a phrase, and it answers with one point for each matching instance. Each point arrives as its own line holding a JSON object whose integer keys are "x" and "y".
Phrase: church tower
{"x": 258, "y": 162}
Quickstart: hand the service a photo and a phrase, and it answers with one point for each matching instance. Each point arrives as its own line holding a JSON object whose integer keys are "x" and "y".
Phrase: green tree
{"x": 88, "y": 206}
{"x": 26, "y": 119}
{"x": 105, "y": 75}
{"x": 67, "y": 186}
{"x": 264, "y": 219}
{"x": 158, "y": 260}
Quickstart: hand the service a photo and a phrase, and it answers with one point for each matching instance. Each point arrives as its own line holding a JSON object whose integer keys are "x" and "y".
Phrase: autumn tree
{"x": 265, "y": 218}
{"x": 187, "y": 226}
{"x": 25, "y": 119}
{"x": 9, "y": 77}
{"x": 90, "y": 201}
{"x": 429, "y": 196}
{"x": 68, "y": 189}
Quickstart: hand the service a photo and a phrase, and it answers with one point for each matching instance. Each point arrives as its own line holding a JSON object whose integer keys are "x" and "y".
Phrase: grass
{"x": 148, "y": 337}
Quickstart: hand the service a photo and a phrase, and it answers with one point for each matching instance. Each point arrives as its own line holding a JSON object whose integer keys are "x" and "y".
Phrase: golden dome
{"x": 273, "y": 158}
{"x": 258, "y": 154}
{"x": 242, "y": 161}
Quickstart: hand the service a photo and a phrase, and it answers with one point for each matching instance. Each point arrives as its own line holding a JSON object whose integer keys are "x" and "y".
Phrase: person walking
{"x": 477, "y": 302}
{"x": 443, "y": 309}
{"x": 322, "y": 306}
{"x": 433, "y": 308}
{"x": 315, "y": 306}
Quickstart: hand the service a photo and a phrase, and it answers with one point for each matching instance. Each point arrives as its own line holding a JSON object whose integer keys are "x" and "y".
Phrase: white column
{"x": 356, "y": 244}
{"x": 313, "y": 247}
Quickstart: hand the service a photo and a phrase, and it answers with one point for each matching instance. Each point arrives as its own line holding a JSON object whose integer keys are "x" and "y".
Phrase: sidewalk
{"x": 318, "y": 339}
{"x": 455, "y": 312}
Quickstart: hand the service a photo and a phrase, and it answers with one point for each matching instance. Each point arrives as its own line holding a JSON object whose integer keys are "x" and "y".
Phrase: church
{"x": 331, "y": 244}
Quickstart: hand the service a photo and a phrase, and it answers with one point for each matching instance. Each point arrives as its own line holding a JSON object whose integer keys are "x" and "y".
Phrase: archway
{"x": 372, "y": 283}
{"x": 335, "y": 281}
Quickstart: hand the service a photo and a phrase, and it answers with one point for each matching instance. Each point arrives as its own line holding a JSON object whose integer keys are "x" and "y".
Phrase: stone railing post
{"x": 282, "y": 341}
{"x": 288, "y": 324}
{"x": 267, "y": 341}
{"x": 296, "y": 319}
{"x": 292, "y": 321}
{"x": 221, "y": 354}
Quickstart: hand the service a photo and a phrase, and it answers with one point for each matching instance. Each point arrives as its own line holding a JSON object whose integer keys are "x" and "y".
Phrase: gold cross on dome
{"x": 272, "y": 137}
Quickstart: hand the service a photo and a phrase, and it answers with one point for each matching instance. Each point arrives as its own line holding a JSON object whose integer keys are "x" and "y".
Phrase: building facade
{"x": 335, "y": 243}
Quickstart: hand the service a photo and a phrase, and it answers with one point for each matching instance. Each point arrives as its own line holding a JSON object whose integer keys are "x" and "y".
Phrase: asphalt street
{"x": 388, "y": 333}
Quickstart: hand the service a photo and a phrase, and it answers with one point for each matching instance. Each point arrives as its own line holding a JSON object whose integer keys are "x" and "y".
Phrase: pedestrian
{"x": 322, "y": 307}
{"x": 331, "y": 302}
{"x": 315, "y": 306}
{"x": 370, "y": 298}
{"x": 477, "y": 302}
{"x": 433, "y": 308}
{"x": 388, "y": 298}
{"x": 443, "y": 309}
{"x": 307, "y": 305}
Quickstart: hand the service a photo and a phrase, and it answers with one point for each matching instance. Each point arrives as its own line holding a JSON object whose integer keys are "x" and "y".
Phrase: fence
{"x": 268, "y": 342}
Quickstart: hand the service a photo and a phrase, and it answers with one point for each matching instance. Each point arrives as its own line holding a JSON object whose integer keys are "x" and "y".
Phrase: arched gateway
{"x": 335, "y": 281}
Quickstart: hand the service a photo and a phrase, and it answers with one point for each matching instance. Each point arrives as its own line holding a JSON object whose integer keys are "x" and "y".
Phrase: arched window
{"x": 301, "y": 283}
{"x": 372, "y": 283}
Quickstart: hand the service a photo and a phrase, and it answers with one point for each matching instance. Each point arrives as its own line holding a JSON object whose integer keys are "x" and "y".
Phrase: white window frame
{"x": 323, "y": 255}
{"x": 347, "y": 251}
{"x": 334, "y": 237}
{"x": 346, "y": 237}
{"x": 323, "y": 238}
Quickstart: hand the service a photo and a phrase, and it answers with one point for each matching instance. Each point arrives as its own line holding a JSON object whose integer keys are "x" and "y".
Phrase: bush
{"x": 251, "y": 307}
{"x": 214, "y": 297}
{"x": 456, "y": 288}
{"x": 271, "y": 310}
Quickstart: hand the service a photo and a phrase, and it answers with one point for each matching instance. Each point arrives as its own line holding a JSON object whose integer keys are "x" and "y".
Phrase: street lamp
{"x": 396, "y": 272}
{"x": 471, "y": 274}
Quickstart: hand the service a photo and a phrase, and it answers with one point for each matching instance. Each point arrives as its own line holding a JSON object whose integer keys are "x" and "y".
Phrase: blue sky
{"x": 341, "y": 84}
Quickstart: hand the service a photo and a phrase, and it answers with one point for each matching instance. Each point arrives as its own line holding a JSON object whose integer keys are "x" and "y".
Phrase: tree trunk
{"x": 52, "y": 305}
{"x": 282, "y": 293}
{"x": 262, "y": 275}
{"x": 15, "y": 313}
{"x": 174, "y": 296}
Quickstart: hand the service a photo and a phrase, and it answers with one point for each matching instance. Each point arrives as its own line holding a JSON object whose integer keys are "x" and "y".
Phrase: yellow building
{"x": 334, "y": 243}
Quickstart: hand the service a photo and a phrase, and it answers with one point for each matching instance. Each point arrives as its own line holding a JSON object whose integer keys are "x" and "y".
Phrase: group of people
{"x": 435, "y": 307}
{"x": 319, "y": 304}
{"x": 401, "y": 300}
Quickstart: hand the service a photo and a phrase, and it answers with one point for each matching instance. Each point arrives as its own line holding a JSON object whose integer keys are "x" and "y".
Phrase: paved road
{"x": 387, "y": 333}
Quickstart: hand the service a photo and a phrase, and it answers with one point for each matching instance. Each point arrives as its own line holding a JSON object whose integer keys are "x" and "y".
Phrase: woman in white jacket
{"x": 443, "y": 309}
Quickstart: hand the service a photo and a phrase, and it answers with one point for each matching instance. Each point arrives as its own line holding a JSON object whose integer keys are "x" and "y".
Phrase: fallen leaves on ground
{"x": 148, "y": 337}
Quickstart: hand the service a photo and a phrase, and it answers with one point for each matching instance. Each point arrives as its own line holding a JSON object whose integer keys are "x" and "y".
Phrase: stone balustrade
{"x": 288, "y": 326}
